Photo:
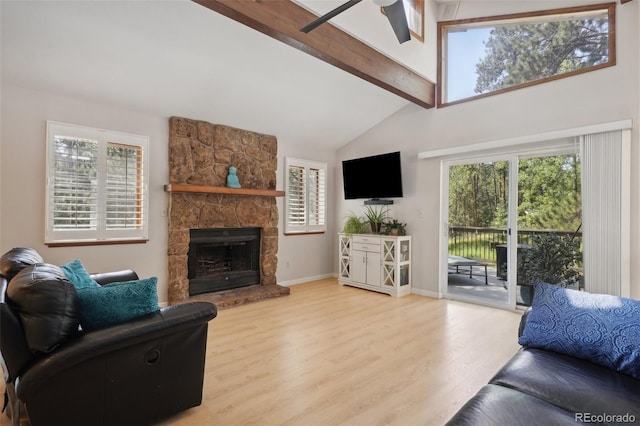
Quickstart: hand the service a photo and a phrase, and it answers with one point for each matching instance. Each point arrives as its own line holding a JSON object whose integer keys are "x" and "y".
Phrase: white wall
{"x": 22, "y": 185}
{"x": 310, "y": 256}
{"x": 597, "y": 97}
{"x": 24, "y": 116}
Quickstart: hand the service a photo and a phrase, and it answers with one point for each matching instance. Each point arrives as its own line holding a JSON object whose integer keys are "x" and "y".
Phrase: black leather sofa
{"x": 541, "y": 387}
{"x": 135, "y": 373}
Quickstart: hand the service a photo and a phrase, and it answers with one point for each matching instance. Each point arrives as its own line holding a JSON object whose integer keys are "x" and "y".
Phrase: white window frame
{"x": 99, "y": 235}
{"x": 307, "y": 227}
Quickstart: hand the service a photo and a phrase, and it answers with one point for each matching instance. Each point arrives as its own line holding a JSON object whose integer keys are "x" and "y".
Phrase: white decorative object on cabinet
{"x": 375, "y": 262}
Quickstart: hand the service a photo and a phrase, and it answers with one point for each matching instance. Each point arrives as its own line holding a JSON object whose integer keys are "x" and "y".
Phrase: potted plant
{"x": 551, "y": 259}
{"x": 376, "y": 217}
{"x": 354, "y": 225}
{"x": 394, "y": 227}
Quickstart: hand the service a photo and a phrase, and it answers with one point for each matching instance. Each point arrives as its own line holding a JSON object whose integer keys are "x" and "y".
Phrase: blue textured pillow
{"x": 78, "y": 275}
{"x": 116, "y": 303}
{"x": 597, "y": 327}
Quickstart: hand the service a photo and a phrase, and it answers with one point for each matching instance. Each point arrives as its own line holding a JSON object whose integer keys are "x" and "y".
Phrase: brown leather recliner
{"x": 134, "y": 373}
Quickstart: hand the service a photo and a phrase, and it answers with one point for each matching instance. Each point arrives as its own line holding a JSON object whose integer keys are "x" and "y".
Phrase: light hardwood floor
{"x": 333, "y": 355}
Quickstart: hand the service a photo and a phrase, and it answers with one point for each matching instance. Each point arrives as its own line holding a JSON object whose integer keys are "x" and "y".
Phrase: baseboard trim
{"x": 307, "y": 279}
{"x": 426, "y": 293}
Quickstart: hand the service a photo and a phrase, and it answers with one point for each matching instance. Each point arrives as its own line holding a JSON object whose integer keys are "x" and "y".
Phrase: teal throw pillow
{"x": 78, "y": 275}
{"x": 600, "y": 328}
{"x": 116, "y": 303}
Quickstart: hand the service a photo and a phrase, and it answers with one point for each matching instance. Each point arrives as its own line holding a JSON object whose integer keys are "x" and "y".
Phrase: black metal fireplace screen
{"x": 223, "y": 259}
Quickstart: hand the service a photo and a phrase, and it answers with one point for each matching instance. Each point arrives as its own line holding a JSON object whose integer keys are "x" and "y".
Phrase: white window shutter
{"x": 125, "y": 197}
{"x": 305, "y": 196}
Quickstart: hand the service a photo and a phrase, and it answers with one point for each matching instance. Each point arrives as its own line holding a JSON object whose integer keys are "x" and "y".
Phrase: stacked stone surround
{"x": 201, "y": 153}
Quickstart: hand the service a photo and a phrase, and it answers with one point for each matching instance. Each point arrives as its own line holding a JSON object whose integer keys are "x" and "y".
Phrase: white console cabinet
{"x": 375, "y": 262}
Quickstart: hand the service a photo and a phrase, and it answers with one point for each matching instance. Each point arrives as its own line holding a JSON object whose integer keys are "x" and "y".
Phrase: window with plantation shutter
{"x": 96, "y": 185}
{"x": 305, "y": 196}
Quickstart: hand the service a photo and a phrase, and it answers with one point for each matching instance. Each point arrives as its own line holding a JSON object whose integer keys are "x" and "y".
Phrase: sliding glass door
{"x": 511, "y": 221}
{"x": 477, "y": 231}
{"x": 549, "y": 223}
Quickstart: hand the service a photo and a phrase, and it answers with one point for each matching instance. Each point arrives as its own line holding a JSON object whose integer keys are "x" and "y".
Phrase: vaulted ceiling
{"x": 179, "y": 58}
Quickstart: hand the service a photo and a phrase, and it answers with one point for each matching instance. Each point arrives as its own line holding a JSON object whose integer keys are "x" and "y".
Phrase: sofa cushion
{"x": 47, "y": 305}
{"x": 115, "y": 303}
{"x": 599, "y": 328}
{"x": 569, "y": 383}
{"x": 78, "y": 275}
{"x": 17, "y": 259}
{"x": 497, "y": 405}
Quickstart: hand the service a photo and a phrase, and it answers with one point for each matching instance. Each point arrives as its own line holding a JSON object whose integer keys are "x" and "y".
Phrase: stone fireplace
{"x": 200, "y": 155}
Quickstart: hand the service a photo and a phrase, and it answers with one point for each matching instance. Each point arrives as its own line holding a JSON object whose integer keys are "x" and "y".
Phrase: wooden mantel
{"x": 282, "y": 20}
{"x": 203, "y": 189}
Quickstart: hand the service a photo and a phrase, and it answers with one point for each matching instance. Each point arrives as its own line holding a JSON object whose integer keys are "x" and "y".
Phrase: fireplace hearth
{"x": 223, "y": 259}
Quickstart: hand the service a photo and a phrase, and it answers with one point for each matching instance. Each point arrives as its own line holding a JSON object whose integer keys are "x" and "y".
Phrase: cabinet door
{"x": 373, "y": 268}
{"x": 359, "y": 266}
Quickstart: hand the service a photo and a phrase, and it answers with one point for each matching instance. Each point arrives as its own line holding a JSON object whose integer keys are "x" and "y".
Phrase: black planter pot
{"x": 525, "y": 293}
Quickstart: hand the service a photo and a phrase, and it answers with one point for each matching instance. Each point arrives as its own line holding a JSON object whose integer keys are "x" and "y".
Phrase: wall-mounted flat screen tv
{"x": 378, "y": 176}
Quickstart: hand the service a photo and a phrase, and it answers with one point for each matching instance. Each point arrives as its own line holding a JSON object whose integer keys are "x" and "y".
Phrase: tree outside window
{"x": 485, "y": 56}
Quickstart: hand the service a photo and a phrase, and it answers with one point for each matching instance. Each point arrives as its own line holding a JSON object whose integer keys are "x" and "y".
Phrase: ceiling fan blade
{"x": 324, "y": 18}
{"x": 398, "y": 19}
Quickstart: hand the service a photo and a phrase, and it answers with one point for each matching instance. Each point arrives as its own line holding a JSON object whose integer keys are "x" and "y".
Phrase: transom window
{"x": 486, "y": 56}
{"x": 305, "y": 196}
{"x": 96, "y": 186}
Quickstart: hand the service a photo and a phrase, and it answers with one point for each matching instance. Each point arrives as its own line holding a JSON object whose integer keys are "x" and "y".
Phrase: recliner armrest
{"x": 99, "y": 343}
{"x": 115, "y": 276}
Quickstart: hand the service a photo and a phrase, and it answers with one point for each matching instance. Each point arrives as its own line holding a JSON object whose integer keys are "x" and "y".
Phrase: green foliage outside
{"x": 548, "y": 194}
{"x": 475, "y": 247}
{"x": 517, "y": 54}
{"x": 478, "y": 194}
{"x": 549, "y": 198}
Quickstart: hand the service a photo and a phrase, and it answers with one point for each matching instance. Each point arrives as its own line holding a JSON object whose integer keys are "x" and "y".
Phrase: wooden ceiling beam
{"x": 282, "y": 20}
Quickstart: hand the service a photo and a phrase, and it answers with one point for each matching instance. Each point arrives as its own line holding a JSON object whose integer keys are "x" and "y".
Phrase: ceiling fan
{"x": 394, "y": 9}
